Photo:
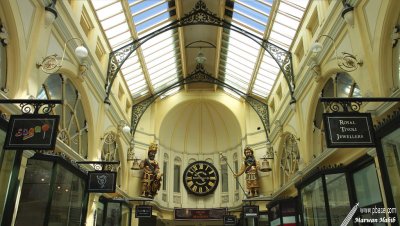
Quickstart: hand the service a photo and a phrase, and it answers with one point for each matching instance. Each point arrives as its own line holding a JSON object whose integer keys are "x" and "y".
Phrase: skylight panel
{"x": 149, "y": 13}
{"x": 266, "y": 76}
{"x": 113, "y": 21}
{"x": 109, "y": 10}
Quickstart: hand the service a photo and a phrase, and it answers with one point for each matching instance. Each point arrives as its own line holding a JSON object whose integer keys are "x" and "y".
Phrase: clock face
{"x": 200, "y": 178}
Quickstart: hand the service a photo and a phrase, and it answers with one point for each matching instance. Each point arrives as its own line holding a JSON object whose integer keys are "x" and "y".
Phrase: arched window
{"x": 339, "y": 85}
{"x": 72, "y": 129}
{"x": 110, "y": 152}
{"x": 177, "y": 174}
{"x": 3, "y": 63}
{"x": 165, "y": 172}
{"x": 396, "y": 61}
{"x": 289, "y": 159}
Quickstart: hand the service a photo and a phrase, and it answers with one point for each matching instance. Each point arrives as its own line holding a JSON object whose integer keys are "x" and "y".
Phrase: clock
{"x": 200, "y": 178}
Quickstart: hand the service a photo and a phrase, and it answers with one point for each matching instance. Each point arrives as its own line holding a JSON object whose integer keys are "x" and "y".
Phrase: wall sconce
{"x": 51, "y": 13}
{"x": 269, "y": 155}
{"x": 348, "y": 13}
{"x": 124, "y": 127}
{"x": 50, "y": 64}
{"x": 395, "y": 35}
{"x": 347, "y": 61}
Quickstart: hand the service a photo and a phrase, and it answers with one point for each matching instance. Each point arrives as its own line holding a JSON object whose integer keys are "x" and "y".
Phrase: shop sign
{"x": 32, "y": 132}
{"x": 229, "y": 220}
{"x": 250, "y": 211}
{"x": 101, "y": 181}
{"x": 344, "y": 130}
{"x": 199, "y": 214}
{"x": 143, "y": 211}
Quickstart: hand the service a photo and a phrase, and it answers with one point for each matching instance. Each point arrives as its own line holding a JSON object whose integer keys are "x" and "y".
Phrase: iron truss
{"x": 199, "y": 15}
{"x": 200, "y": 75}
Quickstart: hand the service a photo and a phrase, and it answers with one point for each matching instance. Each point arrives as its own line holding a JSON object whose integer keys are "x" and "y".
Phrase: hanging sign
{"x": 229, "y": 220}
{"x": 199, "y": 214}
{"x": 250, "y": 211}
{"x": 32, "y": 131}
{"x": 343, "y": 130}
{"x": 143, "y": 211}
{"x": 101, "y": 181}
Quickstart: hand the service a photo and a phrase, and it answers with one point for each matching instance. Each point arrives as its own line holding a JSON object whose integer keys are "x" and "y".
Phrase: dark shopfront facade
{"x": 40, "y": 189}
{"x": 328, "y": 195}
{"x": 47, "y": 188}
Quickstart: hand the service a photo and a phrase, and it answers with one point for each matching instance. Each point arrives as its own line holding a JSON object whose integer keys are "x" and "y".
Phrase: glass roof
{"x": 156, "y": 64}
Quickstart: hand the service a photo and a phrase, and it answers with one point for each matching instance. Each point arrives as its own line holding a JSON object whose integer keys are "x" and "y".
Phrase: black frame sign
{"x": 345, "y": 130}
{"x": 250, "y": 211}
{"x": 143, "y": 211}
{"x": 229, "y": 220}
{"x": 101, "y": 181}
{"x": 32, "y": 132}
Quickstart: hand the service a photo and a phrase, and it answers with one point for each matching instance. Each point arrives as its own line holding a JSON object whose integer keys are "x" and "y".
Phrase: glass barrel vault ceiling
{"x": 157, "y": 64}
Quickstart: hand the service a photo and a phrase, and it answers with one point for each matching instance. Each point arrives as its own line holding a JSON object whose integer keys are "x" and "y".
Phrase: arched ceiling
{"x": 169, "y": 56}
{"x": 200, "y": 126}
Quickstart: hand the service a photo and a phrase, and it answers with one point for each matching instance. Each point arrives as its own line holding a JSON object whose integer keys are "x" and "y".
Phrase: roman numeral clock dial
{"x": 200, "y": 178}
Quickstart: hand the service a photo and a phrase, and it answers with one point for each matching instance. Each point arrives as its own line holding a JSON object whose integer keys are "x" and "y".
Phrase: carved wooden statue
{"x": 151, "y": 180}
{"x": 250, "y": 166}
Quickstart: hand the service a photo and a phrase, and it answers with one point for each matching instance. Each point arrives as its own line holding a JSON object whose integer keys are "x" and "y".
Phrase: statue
{"x": 151, "y": 180}
{"x": 250, "y": 166}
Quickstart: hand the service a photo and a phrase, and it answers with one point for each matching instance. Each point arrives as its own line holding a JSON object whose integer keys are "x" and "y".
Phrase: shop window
{"x": 367, "y": 191}
{"x": 338, "y": 197}
{"x": 98, "y": 216}
{"x": 51, "y": 195}
{"x": 391, "y": 150}
{"x": 72, "y": 129}
{"x": 110, "y": 152}
{"x": 6, "y": 166}
{"x": 312, "y": 197}
{"x": 289, "y": 159}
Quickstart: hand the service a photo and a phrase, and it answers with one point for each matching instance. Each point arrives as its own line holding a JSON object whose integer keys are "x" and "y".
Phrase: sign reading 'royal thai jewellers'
{"x": 343, "y": 130}
{"x": 32, "y": 132}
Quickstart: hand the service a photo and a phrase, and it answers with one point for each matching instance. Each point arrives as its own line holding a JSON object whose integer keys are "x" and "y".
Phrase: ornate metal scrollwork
{"x": 100, "y": 165}
{"x": 346, "y": 106}
{"x": 200, "y": 14}
{"x": 197, "y": 76}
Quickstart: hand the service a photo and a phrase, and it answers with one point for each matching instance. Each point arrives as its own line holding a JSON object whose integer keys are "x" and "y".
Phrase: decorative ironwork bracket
{"x": 200, "y": 75}
{"x": 197, "y": 76}
{"x": 352, "y": 104}
{"x": 200, "y": 15}
{"x": 100, "y": 165}
{"x": 30, "y": 106}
